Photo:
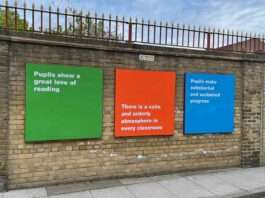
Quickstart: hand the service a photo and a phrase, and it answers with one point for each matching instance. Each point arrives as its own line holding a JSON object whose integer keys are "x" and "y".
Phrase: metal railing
{"x": 158, "y": 34}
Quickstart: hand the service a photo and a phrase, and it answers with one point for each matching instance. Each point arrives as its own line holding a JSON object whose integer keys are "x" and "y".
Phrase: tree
{"x": 89, "y": 27}
{"x": 11, "y": 20}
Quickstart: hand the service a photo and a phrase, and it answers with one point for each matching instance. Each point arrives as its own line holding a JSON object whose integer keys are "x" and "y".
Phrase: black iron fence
{"x": 73, "y": 23}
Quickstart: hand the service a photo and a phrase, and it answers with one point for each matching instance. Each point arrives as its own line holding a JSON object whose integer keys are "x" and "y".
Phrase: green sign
{"x": 63, "y": 102}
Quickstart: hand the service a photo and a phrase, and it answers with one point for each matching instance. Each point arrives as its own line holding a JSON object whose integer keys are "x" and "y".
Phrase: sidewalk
{"x": 220, "y": 183}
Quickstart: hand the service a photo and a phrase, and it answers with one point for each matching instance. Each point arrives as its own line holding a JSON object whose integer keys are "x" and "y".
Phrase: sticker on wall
{"x": 63, "y": 102}
{"x": 209, "y": 103}
{"x": 144, "y": 103}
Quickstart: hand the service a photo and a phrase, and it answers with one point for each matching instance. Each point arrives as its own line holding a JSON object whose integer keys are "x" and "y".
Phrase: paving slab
{"x": 136, "y": 180}
{"x": 257, "y": 193}
{"x": 183, "y": 188}
{"x": 166, "y": 177}
{"x": 67, "y": 188}
{"x": 147, "y": 190}
{"x": 84, "y": 194}
{"x": 254, "y": 173}
{"x": 243, "y": 183}
{"x": 103, "y": 184}
{"x": 113, "y": 192}
{"x": 81, "y": 186}
{"x": 240, "y": 180}
{"x": 214, "y": 184}
{"x": 26, "y": 193}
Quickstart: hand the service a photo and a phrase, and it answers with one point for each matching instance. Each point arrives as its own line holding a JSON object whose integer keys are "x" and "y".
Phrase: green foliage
{"x": 92, "y": 25}
{"x": 88, "y": 28}
{"x": 87, "y": 25}
{"x": 11, "y": 20}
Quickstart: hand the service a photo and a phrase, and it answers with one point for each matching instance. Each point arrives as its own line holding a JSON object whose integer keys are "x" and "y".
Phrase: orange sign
{"x": 144, "y": 103}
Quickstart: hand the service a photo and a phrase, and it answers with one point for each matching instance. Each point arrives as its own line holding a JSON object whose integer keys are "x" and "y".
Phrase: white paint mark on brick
{"x": 113, "y": 154}
{"x": 140, "y": 157}
{"x": 165, "y": 155}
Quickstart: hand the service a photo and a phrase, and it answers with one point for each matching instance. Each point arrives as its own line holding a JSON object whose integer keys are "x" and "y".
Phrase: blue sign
{"x": 209, "y": 103}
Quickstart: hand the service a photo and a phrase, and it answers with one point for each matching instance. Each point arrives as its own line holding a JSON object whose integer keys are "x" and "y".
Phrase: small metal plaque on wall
{"x": 143, "y": 57}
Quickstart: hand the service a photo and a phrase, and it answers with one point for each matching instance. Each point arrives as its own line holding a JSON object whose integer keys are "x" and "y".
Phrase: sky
{"x": 237, "y": 15}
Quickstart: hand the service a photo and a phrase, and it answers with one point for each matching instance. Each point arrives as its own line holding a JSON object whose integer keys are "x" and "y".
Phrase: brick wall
{"x": 251, "y": 114}
{"x": 263, "y": 121}
{"x": 3, "y": 109}
{"x": 37, "y": 164}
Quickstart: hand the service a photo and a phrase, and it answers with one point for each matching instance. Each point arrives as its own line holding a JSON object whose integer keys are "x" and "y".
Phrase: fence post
{"x": 33, "y": 21}
{"x": 6, "y": 14}
{"x": 24, "y": 14}
{"x": 130, "y": 32}
{"x": 208, "y": 40}
{"x": 15, "y": 14}
{"x": 81, "y": 24}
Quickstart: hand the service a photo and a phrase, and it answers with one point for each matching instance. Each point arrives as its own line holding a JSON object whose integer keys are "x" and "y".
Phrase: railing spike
{"x": 117, "y": 18}
{"x": 172, "y": 25}
{"x": 50, "y": 8}
{"x": 6, "y": 2}
{"x": 88, "y": 14}
{"x": 41, "y": 7}
{"x": 24, "y": 5}
{"x": 109, "y": 16}
{"x": 33, "y": 6}
{"x": 65, "y": 10}
{"x": 136, "y": 20}
{"x": 15, "y": 3}
{"x": 58, "y": 9}
{"x": 154, "y": 22}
